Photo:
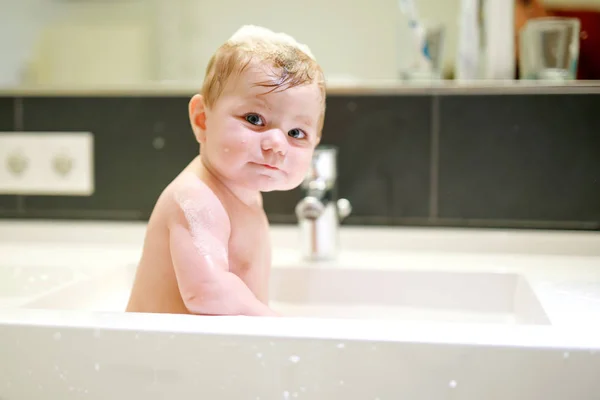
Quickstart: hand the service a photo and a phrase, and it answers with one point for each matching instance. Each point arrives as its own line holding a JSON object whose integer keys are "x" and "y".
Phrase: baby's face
{"x": 262, "y": 141}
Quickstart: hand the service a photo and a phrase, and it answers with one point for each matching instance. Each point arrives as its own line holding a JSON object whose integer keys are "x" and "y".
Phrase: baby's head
{"x": 260, "y": 112}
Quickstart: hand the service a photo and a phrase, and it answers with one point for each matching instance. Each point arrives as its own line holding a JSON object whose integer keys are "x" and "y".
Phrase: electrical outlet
{"x": 47, "y": 163}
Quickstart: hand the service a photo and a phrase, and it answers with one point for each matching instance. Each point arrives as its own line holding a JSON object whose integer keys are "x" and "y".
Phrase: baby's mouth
{"x": 268, "y": 166}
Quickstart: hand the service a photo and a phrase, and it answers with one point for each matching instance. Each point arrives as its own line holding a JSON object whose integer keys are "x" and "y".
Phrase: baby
{"x": 258, "y": 120}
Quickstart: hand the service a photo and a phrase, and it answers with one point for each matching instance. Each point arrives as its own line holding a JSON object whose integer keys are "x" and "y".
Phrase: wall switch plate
{"x": 47, "y": 163}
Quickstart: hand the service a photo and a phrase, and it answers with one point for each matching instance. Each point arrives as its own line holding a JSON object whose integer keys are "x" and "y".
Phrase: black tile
{"x": 279, "y": 206}
{"x": 7, "y": 114}
{"x": 384, "y": 153}
{"x": 130, "y": 172}
{"x": 520, "y": 157}
{"x": 8, "y": 203}
{"x": 384, "y": 159}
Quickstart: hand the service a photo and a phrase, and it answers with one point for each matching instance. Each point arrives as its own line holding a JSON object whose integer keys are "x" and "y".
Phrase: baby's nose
{"x": 275, "y": 140}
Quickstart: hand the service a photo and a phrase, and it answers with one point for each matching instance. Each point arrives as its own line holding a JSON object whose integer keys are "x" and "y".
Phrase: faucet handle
{"x": 344, "y": 208}
{"x": 309, "y": 208}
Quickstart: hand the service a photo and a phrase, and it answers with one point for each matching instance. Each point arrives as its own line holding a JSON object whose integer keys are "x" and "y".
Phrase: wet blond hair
{"x": 293, "y": 64}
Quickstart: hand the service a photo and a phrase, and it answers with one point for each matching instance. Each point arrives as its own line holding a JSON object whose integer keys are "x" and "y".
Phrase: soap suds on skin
{"x": 201, "y": 221}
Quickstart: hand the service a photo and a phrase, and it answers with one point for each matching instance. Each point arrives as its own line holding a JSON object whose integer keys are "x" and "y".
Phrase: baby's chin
{"x": 275, "y": 187}
{"x": 267, "y": 184}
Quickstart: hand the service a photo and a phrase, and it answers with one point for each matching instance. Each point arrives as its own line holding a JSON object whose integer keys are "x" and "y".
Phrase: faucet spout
{"x": 319, "y": 212}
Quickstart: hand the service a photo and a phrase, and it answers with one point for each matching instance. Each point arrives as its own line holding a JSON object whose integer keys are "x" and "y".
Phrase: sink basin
{"x": 406, "y": 294}
{"x": 428, "y": 295}
{"x": 18, "y": 284}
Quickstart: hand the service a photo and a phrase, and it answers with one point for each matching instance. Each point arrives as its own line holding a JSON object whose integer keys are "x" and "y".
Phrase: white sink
{"x": 403, "y": 294}
{"x": 501, "y": 298}
{"x": 19, "y": 284}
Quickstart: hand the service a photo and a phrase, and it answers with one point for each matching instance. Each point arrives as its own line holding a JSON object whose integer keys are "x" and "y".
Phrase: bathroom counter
{"x": 334, "y": 87}
{"x": 562, "y": 268}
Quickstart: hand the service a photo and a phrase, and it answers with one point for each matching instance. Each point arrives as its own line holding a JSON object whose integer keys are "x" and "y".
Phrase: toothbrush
{"x": 408, "y": 8}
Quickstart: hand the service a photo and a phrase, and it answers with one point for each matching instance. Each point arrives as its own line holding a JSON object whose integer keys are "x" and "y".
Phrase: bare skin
{"x": 175, "y": 277}
{"x": 207, "y": 248}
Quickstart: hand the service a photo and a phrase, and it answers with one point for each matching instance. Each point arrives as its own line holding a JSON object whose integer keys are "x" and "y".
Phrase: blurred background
{"x": 89, "y": 42}
{"x": 445, "y": 112}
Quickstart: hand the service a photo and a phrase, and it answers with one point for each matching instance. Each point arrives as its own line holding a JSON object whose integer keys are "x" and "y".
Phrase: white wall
{"x": 174, "y": 40}
{"x": 133, "y": 41}
{"x": 20, "y": 24}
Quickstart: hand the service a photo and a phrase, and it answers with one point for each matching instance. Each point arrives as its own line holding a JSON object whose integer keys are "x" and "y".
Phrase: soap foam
{"x": 247, "y": 34}
{"x": 201, "y": 223}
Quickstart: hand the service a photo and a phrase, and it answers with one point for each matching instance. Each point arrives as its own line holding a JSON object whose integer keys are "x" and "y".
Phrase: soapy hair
{"x": 292, "y": 64}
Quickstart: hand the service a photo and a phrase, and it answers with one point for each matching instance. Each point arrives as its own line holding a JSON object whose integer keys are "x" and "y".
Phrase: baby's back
{"x": 155, "y": 287}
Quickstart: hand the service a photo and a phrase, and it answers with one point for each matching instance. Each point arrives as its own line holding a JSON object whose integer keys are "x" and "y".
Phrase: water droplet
{"x": 452, "y": 384}
{"x": 286, "y": 395}
{"x": 295, "y": 394}
{"x": 294, "y": 359}
{"x": 158, "y": 143}
{"x": 566, "y": 355}
{"x": 259, "y": 355}
{"x": 97, "y": 367}
{"x": 57, "y": 336}
{"x": 341, "y": 383}
{"x": 341, "y": 345}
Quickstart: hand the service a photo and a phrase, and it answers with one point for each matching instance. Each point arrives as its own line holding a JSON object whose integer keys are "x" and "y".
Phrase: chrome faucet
{"x": 319, "y": 212}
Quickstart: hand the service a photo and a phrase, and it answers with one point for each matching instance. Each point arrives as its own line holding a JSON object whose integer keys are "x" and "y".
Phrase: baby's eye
{"x": 297, "y": 134}
{"x": 254, "y": 119}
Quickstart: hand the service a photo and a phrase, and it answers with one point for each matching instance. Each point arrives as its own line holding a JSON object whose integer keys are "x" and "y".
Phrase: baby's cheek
{"x": 301, "y": 164}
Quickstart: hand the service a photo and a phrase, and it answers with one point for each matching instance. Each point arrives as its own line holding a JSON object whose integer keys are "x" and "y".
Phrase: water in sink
{"x": 352, "y": 293}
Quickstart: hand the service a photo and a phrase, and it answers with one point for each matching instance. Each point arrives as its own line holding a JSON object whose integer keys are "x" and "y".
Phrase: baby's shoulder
{"x": 193, "y": 200}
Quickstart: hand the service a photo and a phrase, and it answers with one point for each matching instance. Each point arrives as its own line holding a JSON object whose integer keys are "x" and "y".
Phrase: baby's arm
{"x": 198, "y": 235}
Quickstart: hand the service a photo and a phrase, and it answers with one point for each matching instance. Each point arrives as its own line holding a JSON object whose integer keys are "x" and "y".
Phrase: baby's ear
{"x": 197, "y": 114}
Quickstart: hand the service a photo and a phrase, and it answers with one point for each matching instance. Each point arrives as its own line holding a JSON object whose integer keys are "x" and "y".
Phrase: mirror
{"x": 158, "y": 42}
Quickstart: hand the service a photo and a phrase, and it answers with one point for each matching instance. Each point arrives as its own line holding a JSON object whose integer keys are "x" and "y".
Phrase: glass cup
{"x": 549, "y": 49}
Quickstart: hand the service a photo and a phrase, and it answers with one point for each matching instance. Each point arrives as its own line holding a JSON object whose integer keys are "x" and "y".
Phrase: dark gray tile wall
{"x": 383, "y": 160}
{"x": 140, "y": 144}
{"x": 518, "y": 160}
{"x": 8, "y": 203}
